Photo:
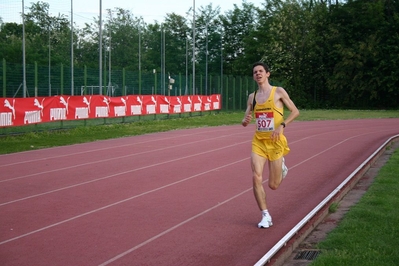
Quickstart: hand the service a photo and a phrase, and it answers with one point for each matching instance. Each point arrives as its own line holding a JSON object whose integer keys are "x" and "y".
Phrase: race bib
{"x": 264, "y": 121}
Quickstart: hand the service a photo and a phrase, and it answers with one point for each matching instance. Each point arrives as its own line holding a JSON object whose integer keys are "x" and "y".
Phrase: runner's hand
{"x": 276, "y": 133}
{"x": 247, "y": 119}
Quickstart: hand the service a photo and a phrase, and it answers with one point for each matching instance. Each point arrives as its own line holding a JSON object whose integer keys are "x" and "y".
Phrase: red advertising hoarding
{"x": 33, "y": 110}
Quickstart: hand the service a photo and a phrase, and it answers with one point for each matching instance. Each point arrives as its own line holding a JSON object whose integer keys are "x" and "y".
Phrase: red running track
{"x": 182, "y": 197}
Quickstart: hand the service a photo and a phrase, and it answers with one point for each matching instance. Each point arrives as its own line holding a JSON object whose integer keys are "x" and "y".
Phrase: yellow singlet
{"x": 268, "y": 117}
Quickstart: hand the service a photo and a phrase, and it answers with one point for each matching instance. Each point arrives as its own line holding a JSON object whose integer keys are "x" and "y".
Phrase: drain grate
{"x": 307, "y": 255}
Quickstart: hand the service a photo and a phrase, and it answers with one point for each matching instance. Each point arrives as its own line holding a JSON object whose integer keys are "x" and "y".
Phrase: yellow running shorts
{"x": 271, "y": 150}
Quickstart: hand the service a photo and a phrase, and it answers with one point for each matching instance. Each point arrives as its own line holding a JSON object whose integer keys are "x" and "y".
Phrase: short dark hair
{"x": 266, "y": 67}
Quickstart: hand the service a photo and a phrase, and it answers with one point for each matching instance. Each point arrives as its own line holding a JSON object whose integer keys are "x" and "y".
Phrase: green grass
{"x": 333, "y": 207}
{"x": 39, "y": 136}
{"x": 369, "y": 232}
{"x": 310, "y": 115}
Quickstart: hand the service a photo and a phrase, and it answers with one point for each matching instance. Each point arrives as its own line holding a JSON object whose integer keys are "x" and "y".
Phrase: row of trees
{"x": 326, "y": 53}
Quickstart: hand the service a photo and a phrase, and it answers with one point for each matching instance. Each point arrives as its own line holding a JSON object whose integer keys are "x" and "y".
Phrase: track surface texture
{"x": 181, "y": 197}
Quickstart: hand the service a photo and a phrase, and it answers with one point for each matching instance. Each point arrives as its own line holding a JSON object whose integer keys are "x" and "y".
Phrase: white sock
{"x": 265, "y": 212}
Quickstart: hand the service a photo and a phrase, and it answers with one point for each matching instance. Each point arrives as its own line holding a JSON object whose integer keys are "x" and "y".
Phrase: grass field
{"x": 368, "y": 234}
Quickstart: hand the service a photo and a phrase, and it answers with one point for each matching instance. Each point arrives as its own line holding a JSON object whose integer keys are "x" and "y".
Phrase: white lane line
{"x": 173, "y": 227}
{"x": 122, "y": 173}
{"x": 122, "y": 201}
{"x": 136, "y": 196}
{"x": 101, "y": 149}
{"x": 110, "y": 159}
{"x": 188, "y": 220}
{"x": 141, "y": 168}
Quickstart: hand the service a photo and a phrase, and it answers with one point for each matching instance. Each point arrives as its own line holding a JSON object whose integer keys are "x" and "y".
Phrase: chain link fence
{"x": 43, "y": 81}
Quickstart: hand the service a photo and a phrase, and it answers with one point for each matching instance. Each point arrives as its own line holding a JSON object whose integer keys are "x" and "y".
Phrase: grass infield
{"x": 368, "y": 233}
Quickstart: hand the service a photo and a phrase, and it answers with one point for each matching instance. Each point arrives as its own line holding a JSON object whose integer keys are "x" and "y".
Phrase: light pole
{"x": 206, "y": 61}
{"x": 49, "y": 55}
{"x": 109, "y": 57}
{"x": 23, "y": 50}
{"x": 100, "y": 48}
{"x": 187, "y": 34}
{"x": 109, "y": 67}
{"x": 193, "y": 47}
{"x": 186, "y": 92}
{"x": 105, "y": 66}
{"x": 162, "y": 59}
{"x": 72, "y": 85}
{"x": 221, "y": 62}
{"x": 163, "y": 70}
{"x": 155, "y": 81}
{"x": 140, "y": 56}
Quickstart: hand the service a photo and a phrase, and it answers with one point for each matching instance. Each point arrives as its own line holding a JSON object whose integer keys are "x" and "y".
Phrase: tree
{"x": 11, "y": 42}
{"x": 287, "y": 44}
{"x": 44, "y": 32}
{"x": 362, "y": 75}
{"x": 176, "y": 34}
{"x": 238, "y": 26}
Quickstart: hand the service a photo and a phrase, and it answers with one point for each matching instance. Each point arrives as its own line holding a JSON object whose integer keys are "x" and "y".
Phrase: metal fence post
{"x": 4, "y": 77}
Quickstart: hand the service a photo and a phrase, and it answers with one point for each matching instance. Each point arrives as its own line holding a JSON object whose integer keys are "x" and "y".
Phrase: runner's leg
{"x": 275, "y": 173}
{"x": 258, "y": 163}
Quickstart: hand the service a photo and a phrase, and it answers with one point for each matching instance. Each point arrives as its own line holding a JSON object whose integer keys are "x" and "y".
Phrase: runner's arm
{"x": 248, "y": 112}
{"x": 294, "y": 112}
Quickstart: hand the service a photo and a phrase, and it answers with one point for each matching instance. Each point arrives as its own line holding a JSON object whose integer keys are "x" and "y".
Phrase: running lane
{"x": 182, "y": 197}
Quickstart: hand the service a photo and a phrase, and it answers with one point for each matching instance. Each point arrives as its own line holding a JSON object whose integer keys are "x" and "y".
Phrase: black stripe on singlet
{"x": 278, "y": 112}
{"x": 253, "y": 101}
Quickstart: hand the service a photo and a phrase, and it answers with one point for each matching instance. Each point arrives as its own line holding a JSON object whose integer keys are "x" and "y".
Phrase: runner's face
{"x": 260, "y": 74}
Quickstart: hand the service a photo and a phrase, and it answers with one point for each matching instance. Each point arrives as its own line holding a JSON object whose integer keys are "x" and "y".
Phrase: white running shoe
{"x": 285, "y": 168}
{"x": 266, "y": 221}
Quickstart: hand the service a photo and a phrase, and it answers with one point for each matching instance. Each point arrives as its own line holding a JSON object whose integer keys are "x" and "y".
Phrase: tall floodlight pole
{"x": 186, "y": 91}
{"x": 23, "y": 51}
{"x": 163, "y": 70}
{"x": 164, "y": 61}
{"x": 49, "y": 55}
{"x": 100, "y": 48}
{"x": 109, "y": 57}
{"x": 221, "y": 62}
{"x": 162, "y": 77}
{"x": 206, "y": 61}
{"x": 72, "y": 85}
{"x": 140, "y": 56}
{"x": 193, "y": 47}
{"x": 109, "y": 66}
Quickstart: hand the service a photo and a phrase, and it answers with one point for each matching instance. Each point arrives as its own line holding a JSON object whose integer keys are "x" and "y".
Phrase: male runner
{"x": 269, "y": 143}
